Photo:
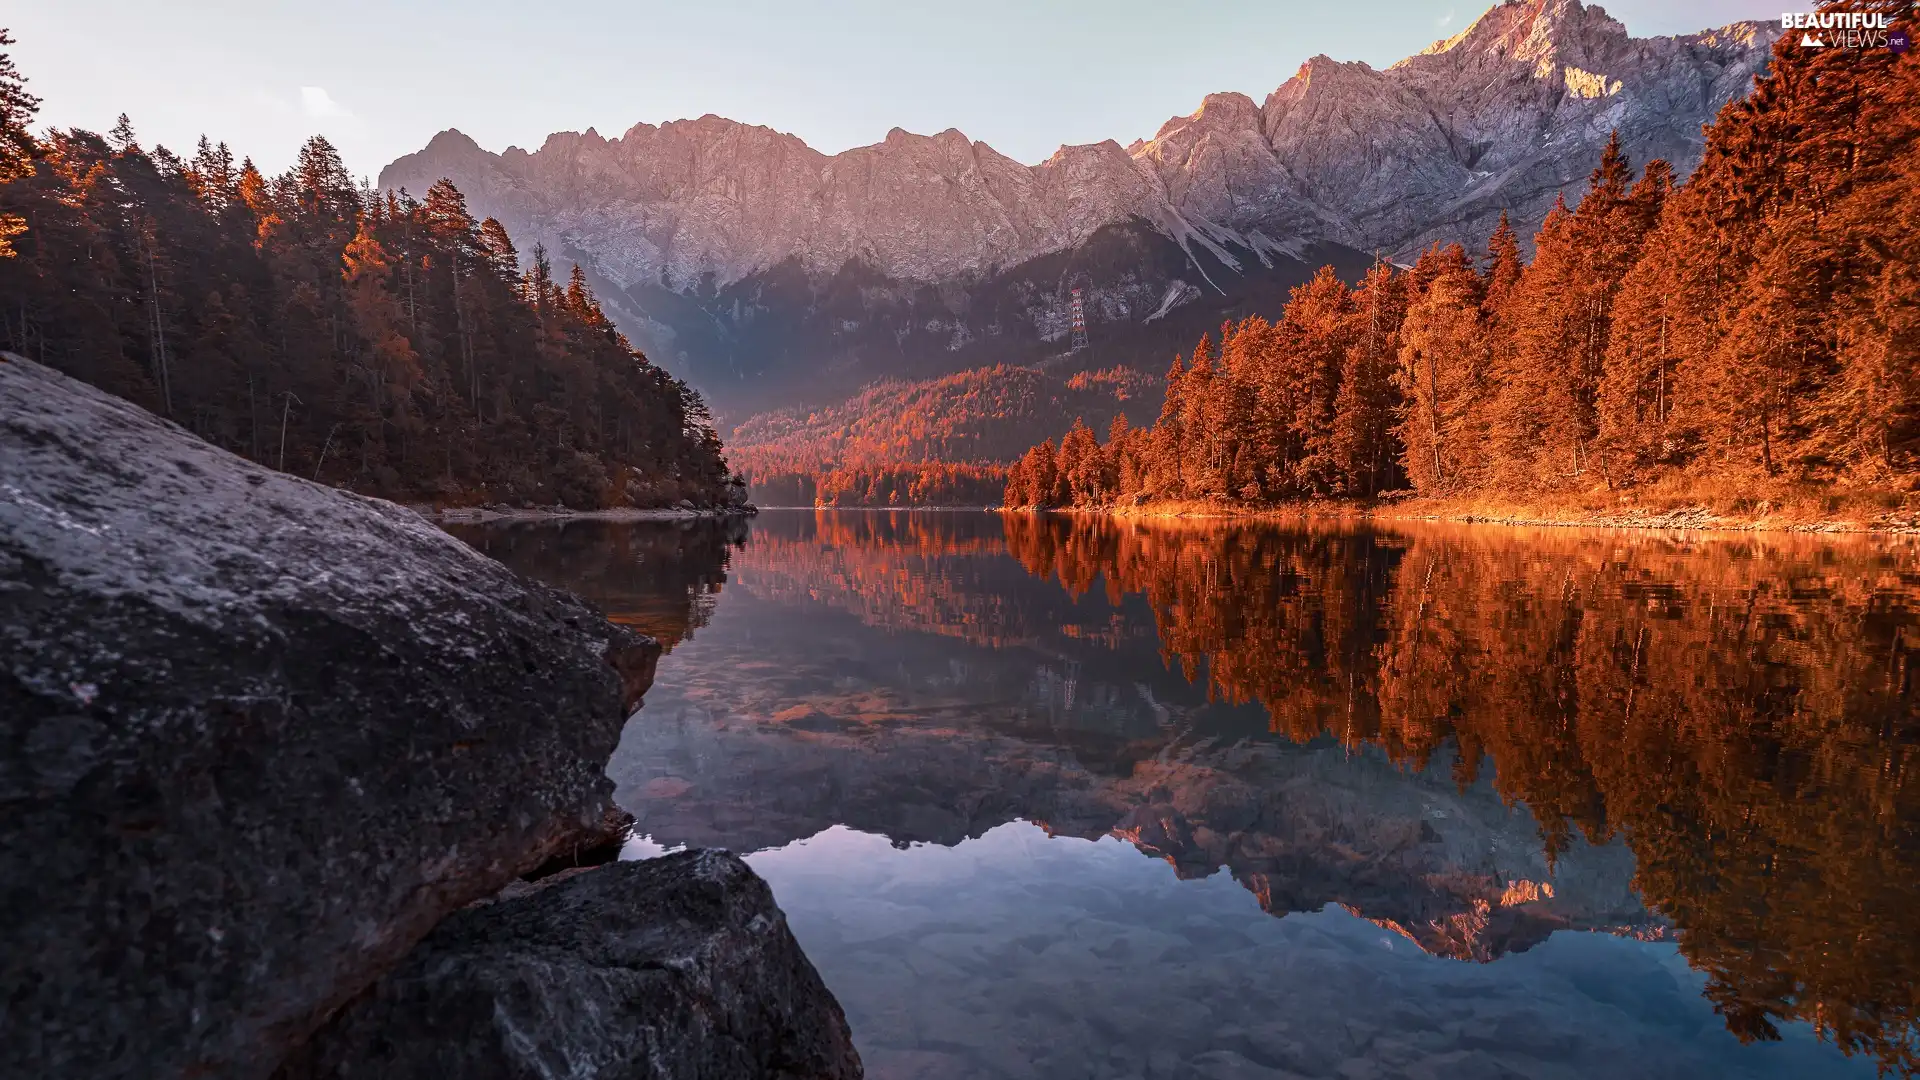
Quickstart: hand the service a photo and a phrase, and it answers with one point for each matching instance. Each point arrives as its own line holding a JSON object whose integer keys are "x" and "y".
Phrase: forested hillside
{"x": 1754, "y": 329}
{"x": 369, "y": 340}
{"x": 936, "y": 442}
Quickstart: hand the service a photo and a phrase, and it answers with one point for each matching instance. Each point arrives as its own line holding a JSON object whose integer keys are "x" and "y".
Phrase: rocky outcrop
{"x": 714, "y": 242}
{"x": 679, "y": 967}
{"x": 257, "y": 737}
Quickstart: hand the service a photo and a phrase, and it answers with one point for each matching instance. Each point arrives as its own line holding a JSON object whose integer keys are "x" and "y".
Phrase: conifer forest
{"x": 1755, "y": 326}
{"x": 378, "y": 341}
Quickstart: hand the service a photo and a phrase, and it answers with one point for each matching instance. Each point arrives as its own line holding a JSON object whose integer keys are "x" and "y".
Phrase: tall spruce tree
{"x": 1442, "y": 380}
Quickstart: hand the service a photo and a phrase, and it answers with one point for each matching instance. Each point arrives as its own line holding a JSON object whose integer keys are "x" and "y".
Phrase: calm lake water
{"x": 1056, "y": 798}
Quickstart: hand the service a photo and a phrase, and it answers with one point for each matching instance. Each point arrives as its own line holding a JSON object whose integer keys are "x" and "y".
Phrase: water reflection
{"x": 1742, "y": 712}
{"x": 661, "y": 578}
{"x": 1460, "y": 739}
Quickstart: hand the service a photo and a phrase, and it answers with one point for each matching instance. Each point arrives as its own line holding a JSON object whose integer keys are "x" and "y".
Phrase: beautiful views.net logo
{"x": 1845, "y": 30}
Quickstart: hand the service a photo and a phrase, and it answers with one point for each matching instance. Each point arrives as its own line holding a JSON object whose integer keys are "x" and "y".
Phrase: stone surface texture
{"x": 680, "y": 967}
{"x": 257, "y": 737}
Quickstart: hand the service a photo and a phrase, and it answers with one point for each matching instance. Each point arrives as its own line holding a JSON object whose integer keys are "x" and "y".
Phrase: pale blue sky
{"x": 379, "y": 78}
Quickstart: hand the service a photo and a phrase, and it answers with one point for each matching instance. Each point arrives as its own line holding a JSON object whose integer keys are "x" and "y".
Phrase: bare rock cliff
{"x": 1503, "y": 115}
{"x": 718, "y": 244}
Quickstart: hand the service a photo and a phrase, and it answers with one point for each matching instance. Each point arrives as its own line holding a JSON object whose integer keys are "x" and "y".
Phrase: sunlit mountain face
{"x": 1038, "y": 791}
{"x": 769, "y": 274}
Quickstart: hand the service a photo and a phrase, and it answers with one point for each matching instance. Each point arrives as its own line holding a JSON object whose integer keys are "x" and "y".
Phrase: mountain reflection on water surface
{"x": 948, "y": 735}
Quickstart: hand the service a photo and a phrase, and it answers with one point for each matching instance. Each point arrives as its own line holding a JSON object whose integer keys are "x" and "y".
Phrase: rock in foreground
{"x": 257, "y": 737}
{"x": 678, "y": 967}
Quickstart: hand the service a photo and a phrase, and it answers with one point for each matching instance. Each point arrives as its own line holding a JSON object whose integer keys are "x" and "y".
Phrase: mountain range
{"x": 771, "y": 275}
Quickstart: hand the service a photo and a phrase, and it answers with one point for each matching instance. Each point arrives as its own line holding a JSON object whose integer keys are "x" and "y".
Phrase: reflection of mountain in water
{"x": 1301, "y": 827}
{"x": 1739, "y": 714}
{"x": 1741, "y": 711}
{"x": 1081, "y": 728}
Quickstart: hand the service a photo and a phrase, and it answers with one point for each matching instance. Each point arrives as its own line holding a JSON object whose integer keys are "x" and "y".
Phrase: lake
{"x": 1073, "y": 797}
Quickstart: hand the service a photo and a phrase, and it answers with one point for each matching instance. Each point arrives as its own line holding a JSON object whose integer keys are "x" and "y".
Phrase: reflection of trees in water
{"x": 660, "y": 577}
{"x": 1742, "y": 712}
{"x": 903, "y": 570}
{"x": 1739, "y": 709}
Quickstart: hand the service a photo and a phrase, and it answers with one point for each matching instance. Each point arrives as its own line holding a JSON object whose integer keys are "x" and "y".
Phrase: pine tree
{"x": 17, "y": 146}
{"x": 1018, "y": 491}
{"x": 1165, "y": 475}
{"x": 1661, "y": 315}
{"x": 1367, "y": 406}
{"x": 1560, "y": 320}
{"x": 501, "y": 254}
{"x": 1121, "y": 471}
{"x": 1504, "y": 267}
{"x": 323, "y": 190}
{"x": 212, "y": 175}
{"x": 1769, "y": 362}
{"x": 367, "y": 275}
{"x": 121, "y": 136}
{"x": 1200, "y": 460}
{"x": 1320, "y": 316}
{"x": 1080, "y": 468}
{"x": 1442, "y": 380}
{"x": 1870, "y": 410}
{"x": 1043, "y": 475}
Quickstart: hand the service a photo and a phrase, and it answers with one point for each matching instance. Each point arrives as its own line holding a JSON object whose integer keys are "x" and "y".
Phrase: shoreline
{"x": 1680, "y": 519}
{"x": 941, "y": 509}
{"x": 480, "y": 515}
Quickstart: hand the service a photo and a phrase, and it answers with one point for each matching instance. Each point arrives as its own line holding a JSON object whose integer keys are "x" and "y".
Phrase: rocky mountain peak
{"x": 451, "y": 153}
{"x": 571, "y": 142}
{"x": 1229, "y": 110}
{"x": 1323, "y": 68}
{"x": 1535, "y": 31}
{"x": 1506, "y": 116}
{"x": 1321, "y": 77}
{"x": 1340, "y": 151}
{"x": 1081, "y": 151}
{"x": 451, "y": 141}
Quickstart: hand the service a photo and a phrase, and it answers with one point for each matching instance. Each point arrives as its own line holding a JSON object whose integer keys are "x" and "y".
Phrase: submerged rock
{"x": 676, "y": 967}
{"x": 257, "y": 737}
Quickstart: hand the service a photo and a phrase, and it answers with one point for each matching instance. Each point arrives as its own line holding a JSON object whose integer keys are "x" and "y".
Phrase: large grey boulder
{"x": 679, "y": 967}
{"x": 257, "y": 737}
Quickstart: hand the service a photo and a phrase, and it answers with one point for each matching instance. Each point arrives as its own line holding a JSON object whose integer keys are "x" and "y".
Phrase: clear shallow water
{"x": 1071, "y": 799}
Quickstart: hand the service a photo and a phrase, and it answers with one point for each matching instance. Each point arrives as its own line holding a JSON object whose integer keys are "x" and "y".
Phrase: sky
{"x": 380, "y": 78}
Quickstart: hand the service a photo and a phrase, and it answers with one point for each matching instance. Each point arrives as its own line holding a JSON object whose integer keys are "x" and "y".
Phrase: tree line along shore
{"x": 1741, "y": 346}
